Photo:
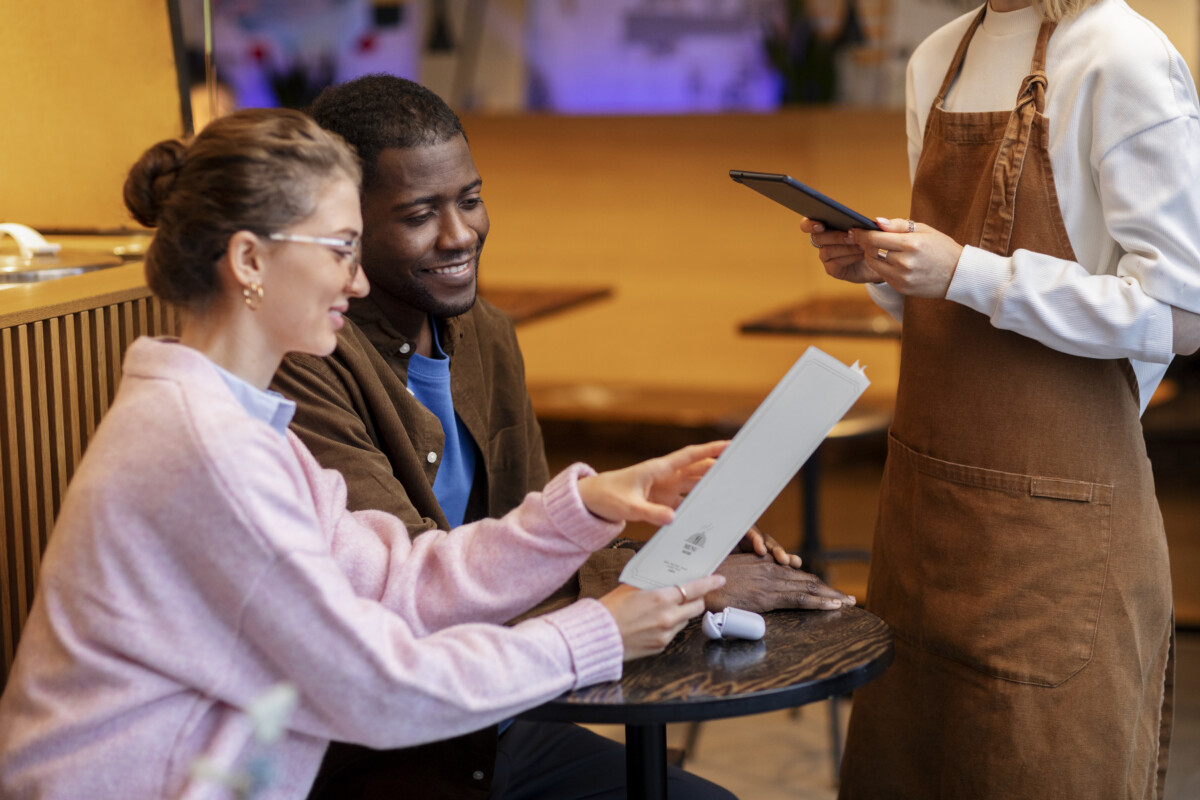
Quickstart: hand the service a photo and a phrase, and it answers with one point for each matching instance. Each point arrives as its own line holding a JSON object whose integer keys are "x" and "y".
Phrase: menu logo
{"x": 695, "y": 542}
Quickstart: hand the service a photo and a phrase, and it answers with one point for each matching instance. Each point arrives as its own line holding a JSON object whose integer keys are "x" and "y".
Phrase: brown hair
{"x": 257, "y": 170}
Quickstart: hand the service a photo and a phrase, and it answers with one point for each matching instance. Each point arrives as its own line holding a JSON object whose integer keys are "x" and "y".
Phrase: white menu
{"x": 764, "y": 455}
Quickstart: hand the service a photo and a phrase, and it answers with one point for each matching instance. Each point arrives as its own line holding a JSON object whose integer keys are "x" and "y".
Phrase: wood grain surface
{"x": 805, "y": 656}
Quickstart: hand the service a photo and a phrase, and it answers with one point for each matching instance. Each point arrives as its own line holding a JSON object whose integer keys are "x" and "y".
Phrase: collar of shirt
{"x": 264, "y": 405}
{"x": 394, "y": 347}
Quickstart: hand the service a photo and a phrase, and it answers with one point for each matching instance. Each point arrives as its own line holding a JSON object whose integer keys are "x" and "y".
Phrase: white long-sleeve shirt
{"x": 1125, "y": 150}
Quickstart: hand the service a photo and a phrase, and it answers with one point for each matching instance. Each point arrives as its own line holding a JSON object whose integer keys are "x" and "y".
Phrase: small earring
{"x": 253, "y": 295}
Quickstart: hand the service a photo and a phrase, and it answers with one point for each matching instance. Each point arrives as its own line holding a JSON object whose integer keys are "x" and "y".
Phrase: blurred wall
{"x": 84, "y": 91}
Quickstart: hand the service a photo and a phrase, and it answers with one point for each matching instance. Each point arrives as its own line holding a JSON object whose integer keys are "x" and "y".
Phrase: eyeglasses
{"x": 347, "y": 250}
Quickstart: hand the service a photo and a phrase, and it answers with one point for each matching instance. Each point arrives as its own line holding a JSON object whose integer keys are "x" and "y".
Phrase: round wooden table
{"x": 804, "y": 656}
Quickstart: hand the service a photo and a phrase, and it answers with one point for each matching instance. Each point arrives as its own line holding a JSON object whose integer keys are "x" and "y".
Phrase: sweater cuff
{"x": 569, "y": 515}
{"x": 979, "y": 279}
{"x": 592, "y": 636}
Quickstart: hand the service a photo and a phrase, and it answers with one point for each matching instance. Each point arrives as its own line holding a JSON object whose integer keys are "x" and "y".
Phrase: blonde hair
{"x": 1058, "y": 10}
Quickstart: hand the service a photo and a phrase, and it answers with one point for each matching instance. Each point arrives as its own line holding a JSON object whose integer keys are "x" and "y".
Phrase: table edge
{"x": 717, "y": 707}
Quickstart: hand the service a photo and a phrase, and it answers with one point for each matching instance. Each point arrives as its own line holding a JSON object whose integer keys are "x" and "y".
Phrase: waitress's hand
{"x": 649, "y": 491}
{"x": 840, "y": 255}
{"x": 914, "y": 259}
{"x": 650, "y": 618}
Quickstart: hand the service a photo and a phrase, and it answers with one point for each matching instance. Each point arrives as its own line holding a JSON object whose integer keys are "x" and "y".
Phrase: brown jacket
{"x": 356, "y": 415}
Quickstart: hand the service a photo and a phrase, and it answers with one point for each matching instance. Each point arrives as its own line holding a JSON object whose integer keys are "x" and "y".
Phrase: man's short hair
{"x": 379, "y": 111}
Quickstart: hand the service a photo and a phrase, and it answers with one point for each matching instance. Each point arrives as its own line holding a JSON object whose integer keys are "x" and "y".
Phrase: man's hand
{"x": 757, "y": 583}
{"x": 755, "y": 541}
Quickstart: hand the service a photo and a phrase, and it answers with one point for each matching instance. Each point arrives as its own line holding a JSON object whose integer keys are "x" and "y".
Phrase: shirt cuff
{"x": 592, "y": 636}
{"x": 887, "y": 299}
{"x": 979, "y": 280}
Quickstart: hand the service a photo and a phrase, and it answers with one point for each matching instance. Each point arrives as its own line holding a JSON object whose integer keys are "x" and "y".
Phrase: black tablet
{"x": 788, "y": 191}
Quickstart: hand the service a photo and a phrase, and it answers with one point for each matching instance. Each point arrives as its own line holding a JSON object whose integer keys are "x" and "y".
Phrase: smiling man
{"x": 424, "y": 410}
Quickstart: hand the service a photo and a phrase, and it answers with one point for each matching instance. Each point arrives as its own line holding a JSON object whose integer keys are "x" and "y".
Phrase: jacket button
{"x": 432, "y": 457}
{"x": 477, "y": 774}
{"x": 404, "y": 348}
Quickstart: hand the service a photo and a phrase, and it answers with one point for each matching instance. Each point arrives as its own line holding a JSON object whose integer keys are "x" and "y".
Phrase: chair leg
{"x": 689, "y": 745}
{"x": 835, "y": 737}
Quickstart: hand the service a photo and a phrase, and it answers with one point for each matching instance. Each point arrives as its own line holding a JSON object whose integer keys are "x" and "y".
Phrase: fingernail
{"x": 882, "y": 221}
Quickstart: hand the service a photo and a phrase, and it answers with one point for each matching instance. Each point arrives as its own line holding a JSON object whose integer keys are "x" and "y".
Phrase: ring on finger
{"x": 881, "y": 254}
{"x": 814, "y": 241}
{"x": 912, "y": 226}
{"x": 683, "y": 593}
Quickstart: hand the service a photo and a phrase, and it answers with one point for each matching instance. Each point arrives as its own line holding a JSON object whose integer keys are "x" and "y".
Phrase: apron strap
{"x": 957, "y": 62}
{"x": 1010, "y": 160}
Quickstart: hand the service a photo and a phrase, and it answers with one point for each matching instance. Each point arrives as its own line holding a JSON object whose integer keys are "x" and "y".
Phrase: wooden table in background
{"x": 827, "y": 316}
{"x": 805, "y": 656}
{"x": 525, "y": 303}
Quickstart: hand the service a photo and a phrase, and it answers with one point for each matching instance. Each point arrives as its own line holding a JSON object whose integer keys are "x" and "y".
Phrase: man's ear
{"x": 244, "y": 258}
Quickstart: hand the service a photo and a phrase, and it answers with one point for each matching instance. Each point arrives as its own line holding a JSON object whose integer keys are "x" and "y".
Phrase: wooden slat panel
{"x": 42, "y": 489}
{"x": 87, "y": 358}
{"x": 9, "y": 510}
{"x": 102, "y": 363}
{"x": 74, "y": 429}
{"x": 127, "y": 333}
{"x": 58, "y": 376}
{"x": 142, "y": 309}
{"x": 58, "y": 412}
{"x": 25, "y": 476}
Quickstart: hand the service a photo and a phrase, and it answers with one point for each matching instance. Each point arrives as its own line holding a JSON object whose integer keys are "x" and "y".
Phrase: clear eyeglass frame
{"x": 348, "y": 251}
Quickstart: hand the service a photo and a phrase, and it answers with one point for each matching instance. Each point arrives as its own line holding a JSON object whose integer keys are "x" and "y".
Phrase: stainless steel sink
{"x": 17, "y": 269}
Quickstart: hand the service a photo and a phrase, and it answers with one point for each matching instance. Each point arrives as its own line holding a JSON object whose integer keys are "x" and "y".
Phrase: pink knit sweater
{"x": 200, "y": 558}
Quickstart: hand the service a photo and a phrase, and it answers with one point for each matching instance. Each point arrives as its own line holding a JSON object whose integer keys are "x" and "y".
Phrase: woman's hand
{"x": 841, "y": 257}
{"x": 914, "y": 259}
{"x": 650, "y": 618}
{"x": 649, "y": 491}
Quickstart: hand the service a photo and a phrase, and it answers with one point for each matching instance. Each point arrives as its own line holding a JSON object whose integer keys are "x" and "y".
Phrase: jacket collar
{"x": 390, "y": 343}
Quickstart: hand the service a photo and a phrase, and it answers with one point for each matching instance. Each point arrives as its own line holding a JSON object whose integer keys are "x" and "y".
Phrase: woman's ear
{"x": 244, "y": 257}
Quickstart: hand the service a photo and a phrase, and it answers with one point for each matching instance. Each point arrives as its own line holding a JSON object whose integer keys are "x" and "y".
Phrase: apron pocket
{"x": 1005, "y": 572}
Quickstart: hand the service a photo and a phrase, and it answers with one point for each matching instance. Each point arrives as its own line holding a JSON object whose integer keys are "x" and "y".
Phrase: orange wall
{"x": 645, "y": 204}
{"x": 85, "y": 88}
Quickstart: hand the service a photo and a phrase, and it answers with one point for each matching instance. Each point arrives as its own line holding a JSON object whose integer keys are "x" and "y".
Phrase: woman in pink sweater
{"x": 203, "y": 559}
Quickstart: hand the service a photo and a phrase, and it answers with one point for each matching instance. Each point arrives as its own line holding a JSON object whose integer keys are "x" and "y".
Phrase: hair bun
{"x": 152, "y": 179}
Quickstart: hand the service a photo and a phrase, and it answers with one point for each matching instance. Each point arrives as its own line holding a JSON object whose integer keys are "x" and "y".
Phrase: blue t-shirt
{"x": 429, "y": 380}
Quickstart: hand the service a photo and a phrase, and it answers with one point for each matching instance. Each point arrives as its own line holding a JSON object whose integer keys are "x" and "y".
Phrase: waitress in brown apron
{"x": 1019, "y": 552}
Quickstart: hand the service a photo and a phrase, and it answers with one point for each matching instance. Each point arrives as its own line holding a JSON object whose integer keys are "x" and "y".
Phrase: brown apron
{"x": 1019, "y": 552}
